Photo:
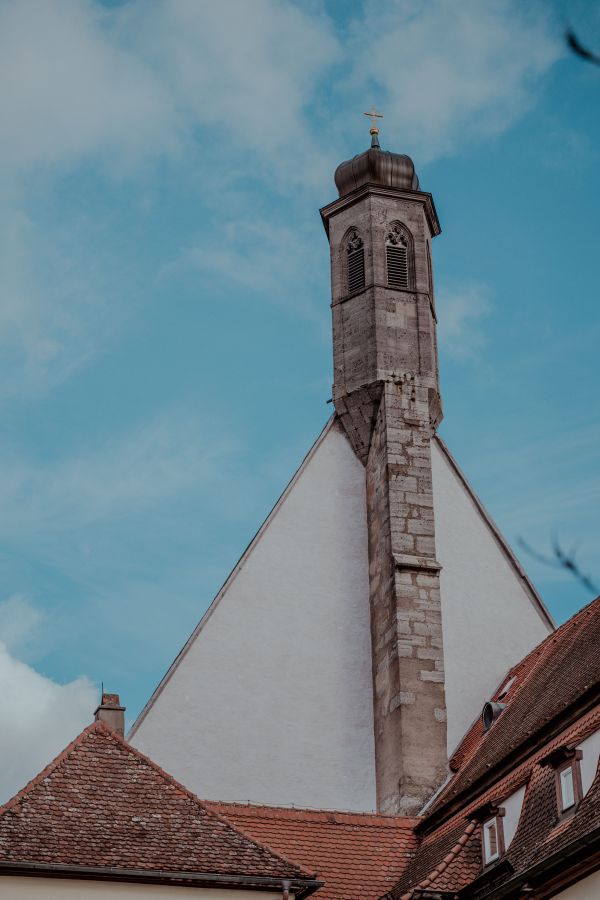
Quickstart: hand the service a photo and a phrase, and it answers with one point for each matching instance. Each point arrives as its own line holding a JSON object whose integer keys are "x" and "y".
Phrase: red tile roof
{"x": 557, "y": 674}
{"x": 360, "y": 856}
{"x": 449, "y": 857}
{"x": 101, "y": 803}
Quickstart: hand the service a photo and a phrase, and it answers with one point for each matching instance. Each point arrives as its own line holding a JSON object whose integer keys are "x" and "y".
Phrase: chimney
{"x": 111, "y": 713}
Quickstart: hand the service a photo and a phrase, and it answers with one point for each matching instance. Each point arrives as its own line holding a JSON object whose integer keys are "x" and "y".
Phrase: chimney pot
{"x": 111, "y": 713}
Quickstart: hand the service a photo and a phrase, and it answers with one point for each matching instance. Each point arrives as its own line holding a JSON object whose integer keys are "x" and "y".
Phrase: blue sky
{"x": 165, "y": 352}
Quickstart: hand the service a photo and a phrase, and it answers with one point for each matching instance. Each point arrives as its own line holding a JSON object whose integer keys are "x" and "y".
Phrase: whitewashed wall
{"x": 586, "y": 889}
{"x": 25, "y": 888}
{"x": 489, "y": 618}
{"x": 272, "y": 702}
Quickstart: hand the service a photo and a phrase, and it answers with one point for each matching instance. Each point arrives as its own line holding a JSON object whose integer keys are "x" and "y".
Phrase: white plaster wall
{"x": 512, "y": 813}
{"x": 589, "y": 761}
{"x": 586, "y": 889}
{"x": 25, "y": 888}
{"x": 272, "y": 702}
{"x": 489, "y": 620}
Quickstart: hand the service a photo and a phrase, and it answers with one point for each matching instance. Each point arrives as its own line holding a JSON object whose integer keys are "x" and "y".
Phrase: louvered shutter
{"x": 356, "y": 270}
{"x": 397, "y": 265}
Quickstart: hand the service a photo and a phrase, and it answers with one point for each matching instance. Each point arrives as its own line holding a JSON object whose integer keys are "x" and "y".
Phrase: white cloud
{"x": 72, "y": 90}
{"x": 449, "y": 73}
{"x": 135, "y": 81}
{"x": 461, "y": 314}
{"x": 38, "y": 718}
{"x": 237, "y": 92}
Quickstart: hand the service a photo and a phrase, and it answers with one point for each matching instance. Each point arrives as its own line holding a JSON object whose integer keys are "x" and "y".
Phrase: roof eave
{"x": 300, "y": 887}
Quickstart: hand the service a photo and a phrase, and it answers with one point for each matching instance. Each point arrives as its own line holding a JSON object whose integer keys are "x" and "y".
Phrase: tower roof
{"x": 376, "y": 166}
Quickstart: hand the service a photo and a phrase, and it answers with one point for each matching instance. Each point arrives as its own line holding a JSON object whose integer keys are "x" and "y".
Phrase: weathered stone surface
{"x": 386, "y": 394}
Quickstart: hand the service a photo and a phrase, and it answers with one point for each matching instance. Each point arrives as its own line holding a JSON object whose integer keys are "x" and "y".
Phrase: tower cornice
{"x": 357, "y": 195}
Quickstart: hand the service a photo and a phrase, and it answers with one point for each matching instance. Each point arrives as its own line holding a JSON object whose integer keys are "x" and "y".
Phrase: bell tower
{"x": 386, "y": 394}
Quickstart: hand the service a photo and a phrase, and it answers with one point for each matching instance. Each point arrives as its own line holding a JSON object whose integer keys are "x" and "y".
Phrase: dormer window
{"x": 567, "y": 787}
{"x": 491, "y": 840}
{"x": 356, "y": 262}
{"x": 566, "y": 764}
{"x": 491, "y": 817}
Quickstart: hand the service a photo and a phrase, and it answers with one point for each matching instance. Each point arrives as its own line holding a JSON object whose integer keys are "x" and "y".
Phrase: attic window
{"x": 567, "y": 771}
{"x": 396, "y": 257}
{"x": 567, "y": 787}
{"x": 493, "y": 840}
{"x": 356, "y": 263}
{"x": 568, "y": 784}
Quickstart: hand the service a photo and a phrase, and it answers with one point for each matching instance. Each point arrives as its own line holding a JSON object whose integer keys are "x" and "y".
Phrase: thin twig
{"x": 561, "y": 560}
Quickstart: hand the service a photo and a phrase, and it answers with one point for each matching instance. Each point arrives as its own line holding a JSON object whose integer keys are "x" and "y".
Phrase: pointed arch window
{"x": 355, "y": 251}
{"x": 398, "y": 257}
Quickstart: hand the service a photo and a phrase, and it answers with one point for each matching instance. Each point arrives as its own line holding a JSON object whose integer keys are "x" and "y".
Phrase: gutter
{"x": 300, "y": 887}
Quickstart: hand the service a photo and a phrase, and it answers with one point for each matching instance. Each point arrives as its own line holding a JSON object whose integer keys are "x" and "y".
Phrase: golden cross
{"x": 374, "y": 115}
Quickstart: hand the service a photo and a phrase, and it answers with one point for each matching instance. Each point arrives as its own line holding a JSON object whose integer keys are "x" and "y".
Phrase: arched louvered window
{"x": 356, "y": 262}
{"x": 397, "y": 257}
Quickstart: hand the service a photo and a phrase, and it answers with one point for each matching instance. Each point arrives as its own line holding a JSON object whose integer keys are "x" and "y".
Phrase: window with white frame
{"x": 566, "y": 762}
{"x": 567, "y": 787}
{"x": 491, "y": 840}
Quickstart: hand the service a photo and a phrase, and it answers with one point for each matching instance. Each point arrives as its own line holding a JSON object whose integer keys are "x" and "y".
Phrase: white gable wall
{"x": 490, "y": 617}
{"x": 272, "y": 701}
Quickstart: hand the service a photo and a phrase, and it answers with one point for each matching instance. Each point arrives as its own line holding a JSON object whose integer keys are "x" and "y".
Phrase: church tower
{"x": 386, "y": 394}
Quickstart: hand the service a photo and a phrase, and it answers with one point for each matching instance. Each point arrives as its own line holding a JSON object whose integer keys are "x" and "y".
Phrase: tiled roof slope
{"x": 449, "y": 859}
{"x": 101, "y": 803}
{"x": 554, "y": 676}
{"x": 360, "y": 856}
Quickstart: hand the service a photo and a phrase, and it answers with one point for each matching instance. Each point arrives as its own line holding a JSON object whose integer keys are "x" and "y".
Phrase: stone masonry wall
{"x": 406, "y": 628}
{"x": 387, "y": 397}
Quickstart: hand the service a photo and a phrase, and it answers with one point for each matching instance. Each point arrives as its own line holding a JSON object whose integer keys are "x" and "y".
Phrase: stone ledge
{"x": 407, "y": 561}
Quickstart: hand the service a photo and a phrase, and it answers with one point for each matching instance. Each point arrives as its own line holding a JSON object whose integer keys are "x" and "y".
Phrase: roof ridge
{"x": 387, "y": 820}
{"x": 52, "y": 765}
{"x": 555, "y": 635}
{"x": 203, "y": 804}
{"x": 102, "y": 728}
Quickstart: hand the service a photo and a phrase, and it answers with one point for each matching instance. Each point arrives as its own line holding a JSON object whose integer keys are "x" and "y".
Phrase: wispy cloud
{"x": 237, "y": 93}
{"x": 125, "y": 476}
{"x": 462, "y": 312}
{"x": 450, "y": 74}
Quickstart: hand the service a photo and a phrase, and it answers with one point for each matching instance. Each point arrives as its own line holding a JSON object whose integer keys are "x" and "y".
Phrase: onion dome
{"x": 376, "y": 166}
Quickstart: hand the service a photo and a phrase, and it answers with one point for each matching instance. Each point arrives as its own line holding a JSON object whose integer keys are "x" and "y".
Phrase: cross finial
{"x": 374, "y": 115}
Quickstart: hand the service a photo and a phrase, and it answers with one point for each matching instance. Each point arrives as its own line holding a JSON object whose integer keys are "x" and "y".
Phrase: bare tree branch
{"x": 561, "y": 559}
{"x": 577, "y": 48}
